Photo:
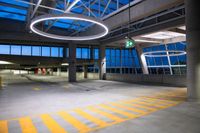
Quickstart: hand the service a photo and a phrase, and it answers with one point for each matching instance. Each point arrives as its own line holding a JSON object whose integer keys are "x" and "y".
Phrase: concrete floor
{"x": 21, "y": 97}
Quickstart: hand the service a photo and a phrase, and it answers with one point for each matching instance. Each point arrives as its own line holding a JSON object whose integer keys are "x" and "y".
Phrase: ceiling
{"x": 173, "y": 35}
{"x": 25, "y": 10}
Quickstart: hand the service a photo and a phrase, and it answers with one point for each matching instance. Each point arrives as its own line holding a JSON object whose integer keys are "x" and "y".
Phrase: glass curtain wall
{"x": 28, "y": 50}
{"x": 124, "y": 61}
{"x": 175, "y": 65}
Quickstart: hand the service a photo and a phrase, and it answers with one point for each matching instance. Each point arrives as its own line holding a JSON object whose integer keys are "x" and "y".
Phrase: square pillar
{"x": 102, "y": 62}
{"x": 142, "y": 59}
{"x": 85, "y": 71}
{"x": 193, "y": 49}
{"x": 72, "y": 63}
{"x": 58, "y": 71}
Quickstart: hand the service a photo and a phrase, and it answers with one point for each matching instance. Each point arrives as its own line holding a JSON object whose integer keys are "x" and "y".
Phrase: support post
{"x": 193, "y": 49}
{"x": 102, "y": 62}
{"x": 85, "y": 71}
{"x": 142, "y": 59}
{"x": 72, "y": 63}
{"x": 58, "y": 71}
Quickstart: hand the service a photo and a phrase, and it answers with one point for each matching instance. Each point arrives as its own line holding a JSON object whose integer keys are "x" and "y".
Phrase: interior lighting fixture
{"x": 163, "y": 53}
{"x": 5, "y": 62}
{"x": 77, "y": 17}
{"x": 163, "y": 35}
{"x": 65, "y": 64}
{"x": 147, "y": 41}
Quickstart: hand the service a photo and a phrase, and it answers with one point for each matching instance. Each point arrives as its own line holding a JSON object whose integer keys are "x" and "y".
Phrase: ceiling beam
{"x": 36, "y": 7}
{"x": 178, "y": 30}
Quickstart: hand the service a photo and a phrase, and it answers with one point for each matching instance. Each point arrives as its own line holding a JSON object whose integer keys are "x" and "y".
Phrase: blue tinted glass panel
{"x": 26, "y": 50}
{"x": 174, "y": 60}
{"x": 36, "y": 51}
{"x": 15, "y": 2}
{"x": 54, "y": 52}
{"x": 12, "y": 16}
{"x": 45, "y": 51}
{"x": 182, "y": 59}
{"x": 78, "y": 53}
{"x": 117, "y": 53}
{"x": 60, "y": 52}
{"x": 4, "y": 49}
{"x": 67, "y": 52}
{"x": 15, "y": 50}
{"x": 13, "y": 10}
{"x": 165, "y": 61}
{"x": 85, "y": 53}
{"x": 96, "y": 54}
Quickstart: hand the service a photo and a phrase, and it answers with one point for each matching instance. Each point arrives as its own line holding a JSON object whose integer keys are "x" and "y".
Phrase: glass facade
{"x": 124, "y": 61}
{"x": 23, "y": 50}
{"x": 87, "y": 53}
{"x": 167, "y": 64}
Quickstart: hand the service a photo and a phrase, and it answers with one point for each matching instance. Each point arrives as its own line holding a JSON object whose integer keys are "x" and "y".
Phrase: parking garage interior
{"x": 99, "y": 66}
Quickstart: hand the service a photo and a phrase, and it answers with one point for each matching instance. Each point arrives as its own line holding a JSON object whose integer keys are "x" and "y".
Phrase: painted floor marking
{"x": 27, "y": 125}
{"x": 95, "y": 120}
{"x": 3, "y": 126}
{"x": 148, "y": 104}
{"x": 36, "y": 89}
{"x": 76, "y": 123}
{"x": 127, "y": 114}
{"x": 129, "y": 108}
{"x": 51, "y": 124}
{"x": 142, "y": 106}
{"x": 108, "y": 115}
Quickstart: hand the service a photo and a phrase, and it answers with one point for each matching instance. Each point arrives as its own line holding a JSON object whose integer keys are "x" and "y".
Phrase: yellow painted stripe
{"x": 51, "y": 124}
{"x": 129, "y": 108}
{"x": 91, "y": 118}
{"x": 149, "y": 104}
{"x": 3, "y": 127}
{"x": 158, "y": 101}
{"x": 108, "y": 115}
{"x": 129, "y": 115}
{"x": 140, "y": 106}
{"x": 163, "y": 100}
{"x": 76, "y": 123}
{"x": 27, "y": 125}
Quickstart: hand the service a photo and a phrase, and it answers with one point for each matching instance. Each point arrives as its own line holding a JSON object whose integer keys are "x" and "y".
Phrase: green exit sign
{"x": 130, "y": 43}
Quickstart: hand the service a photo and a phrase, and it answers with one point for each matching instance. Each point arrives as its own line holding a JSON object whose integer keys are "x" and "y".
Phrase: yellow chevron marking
{"x": 27, "y": 125}
{"x": 108, "y": 115}
{"x": 3, "y": 126}
{"x": 129, "y": 115}
{"x": 51, "y": 124}
{"x": 76, "y": 123}
{"x": 91, "y": 118}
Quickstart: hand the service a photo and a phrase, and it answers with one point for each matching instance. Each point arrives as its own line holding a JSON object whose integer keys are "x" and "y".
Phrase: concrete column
{"x": 91, "y": 53}
{"x": 72, "y": 63}
{"x": 102, "y": 62}
{"x": 142, "y": 59}
{"x": 58, "y": 71}
{"x": 85, "y": 71}
{"x": 64, "y": 52}
{"x": 121, "y": 61}
{"x": 193, "y": 49}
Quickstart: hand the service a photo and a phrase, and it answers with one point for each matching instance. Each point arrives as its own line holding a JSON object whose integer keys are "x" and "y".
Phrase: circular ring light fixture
{"x": 160, "y": 53}
{"x": 68, "y": 16}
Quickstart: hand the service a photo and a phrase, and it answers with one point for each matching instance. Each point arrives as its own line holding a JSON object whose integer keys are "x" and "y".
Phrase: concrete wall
{"x": 79, "y": 75}
{"x": 93, "y": 75}
{"x": 174, "y": 80}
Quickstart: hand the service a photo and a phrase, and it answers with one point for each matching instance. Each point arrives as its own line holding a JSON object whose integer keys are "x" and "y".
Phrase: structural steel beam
{"x": 36, "y": 7}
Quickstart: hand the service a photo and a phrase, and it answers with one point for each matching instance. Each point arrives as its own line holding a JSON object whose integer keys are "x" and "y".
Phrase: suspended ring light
{"x": 78, "y": 17}
{"x": 160, "y": 53}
